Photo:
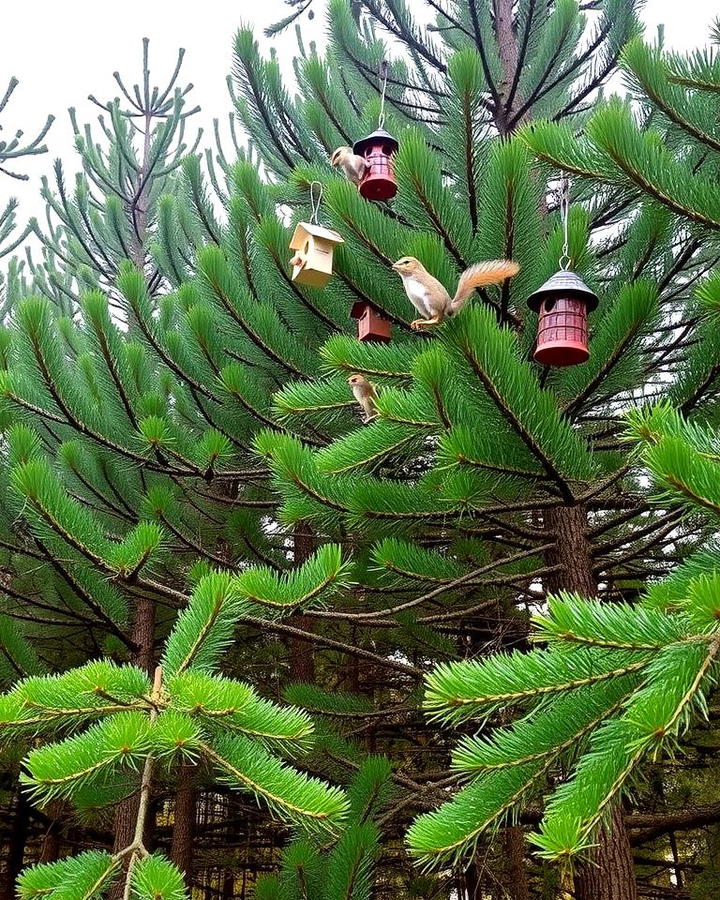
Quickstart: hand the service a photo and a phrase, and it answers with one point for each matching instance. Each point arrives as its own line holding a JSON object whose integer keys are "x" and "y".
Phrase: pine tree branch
{"x": 313, "y": 638}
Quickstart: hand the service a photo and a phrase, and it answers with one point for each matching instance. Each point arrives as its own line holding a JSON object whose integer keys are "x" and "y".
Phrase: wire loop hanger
{"x": 565, "y": 258}
{"x": 315, "y": 201}
{"x": 383, "y": 89}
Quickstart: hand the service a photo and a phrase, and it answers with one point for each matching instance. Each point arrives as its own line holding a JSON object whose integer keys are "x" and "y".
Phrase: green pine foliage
{"x": 125, "y": 203}
{"x": 666, "y": 148}
{"x": 346, "y": 869}
{"x": 123, "y": 728}
{"x": 617, "y": 685}
{"x": 11, "y": 152}
{"x": 186, "y": 481}
{"x": 480, "y": 463}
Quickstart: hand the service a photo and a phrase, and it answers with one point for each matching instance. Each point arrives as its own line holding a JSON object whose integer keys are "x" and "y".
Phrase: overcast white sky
{"x": 62, "y": 50}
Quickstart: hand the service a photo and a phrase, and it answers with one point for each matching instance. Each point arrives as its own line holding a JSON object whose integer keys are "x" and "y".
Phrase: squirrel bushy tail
{"x": 480, "y": 275}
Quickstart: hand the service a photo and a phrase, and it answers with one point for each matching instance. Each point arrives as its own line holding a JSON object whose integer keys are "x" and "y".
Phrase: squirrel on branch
{"x": 431, "y": 299}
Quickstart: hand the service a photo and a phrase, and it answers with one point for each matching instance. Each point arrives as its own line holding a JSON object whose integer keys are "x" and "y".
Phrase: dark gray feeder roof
{"x": 563, "y": 284}
{"x": 380, "y": 135}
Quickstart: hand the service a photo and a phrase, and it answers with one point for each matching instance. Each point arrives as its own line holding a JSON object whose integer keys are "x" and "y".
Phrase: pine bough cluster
{"x": 127, "y": 728}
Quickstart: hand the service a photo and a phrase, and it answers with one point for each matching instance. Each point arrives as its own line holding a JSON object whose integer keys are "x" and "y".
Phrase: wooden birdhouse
{"x": 377, "y": 149}
{"x": 313, "y": 259}
{"x": 371, "y": 325}
{"x": 563, "y": 304}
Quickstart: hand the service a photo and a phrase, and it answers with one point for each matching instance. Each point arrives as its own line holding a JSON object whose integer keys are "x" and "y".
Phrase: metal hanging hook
{"x": 315, "y": 201}
{"x": 383, "y": 89}
{"x": 565, "y": 258}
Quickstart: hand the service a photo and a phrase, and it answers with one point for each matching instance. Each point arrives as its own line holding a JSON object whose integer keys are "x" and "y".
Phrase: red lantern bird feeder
{"x": 377, "y": 149}
{"x": 371, "y": 325}
{"x": 563, "y": 304}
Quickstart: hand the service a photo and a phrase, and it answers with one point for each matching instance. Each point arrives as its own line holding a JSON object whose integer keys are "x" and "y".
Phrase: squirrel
{"x": 353, "y": 166}
{"x": 431, "y": 299}
{"x": 365, "y": 394}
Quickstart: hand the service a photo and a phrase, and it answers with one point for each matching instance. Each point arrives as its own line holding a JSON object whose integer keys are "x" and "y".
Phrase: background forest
{"x": 457, "y": 640}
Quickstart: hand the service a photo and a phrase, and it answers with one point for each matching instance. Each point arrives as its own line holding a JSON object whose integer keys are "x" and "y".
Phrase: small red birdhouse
{"x": 377, "y": 149}
{"x": 313, "y": 246}
{"x": 371, "y": 325}
{"x": 563, "y": 303}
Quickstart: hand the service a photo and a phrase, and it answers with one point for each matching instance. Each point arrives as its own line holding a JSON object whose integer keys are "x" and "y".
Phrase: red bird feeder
{"x": 378, "y": 182}
{"x": 371, "y": 325}
{"x": 563, "y": 303}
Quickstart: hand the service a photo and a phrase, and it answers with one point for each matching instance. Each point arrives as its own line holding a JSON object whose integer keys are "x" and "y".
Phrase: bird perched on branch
{"x": 431, "y": 299}
{"x": 353, "y": 166}
{"x": 365, "y": 394}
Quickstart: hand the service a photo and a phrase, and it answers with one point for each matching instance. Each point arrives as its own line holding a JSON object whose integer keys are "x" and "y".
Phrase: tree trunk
{"x": 50, "y": 849}
{"x": 302, "y": 660}
{"x": 183, "y": 835}
{"x": 143, "y": 636}
{"x": 228, "y": 889}
{"x": 16, "y": 846}
{"x": 517, "y": 884}
{"x": 608, "y": 874}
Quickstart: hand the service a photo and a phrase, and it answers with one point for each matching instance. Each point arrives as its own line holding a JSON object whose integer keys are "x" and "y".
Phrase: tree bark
{"x": 16, "y": 846}
{"x": 518, "y": 887}
{"x": 608, "y": 873}
{"x": 302, "y": 658}
{"x": 183, "y": 835}
{"x": 50, "y": 849}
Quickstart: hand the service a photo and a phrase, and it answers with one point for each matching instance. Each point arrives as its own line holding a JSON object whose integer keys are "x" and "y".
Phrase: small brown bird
{"x": 365, "y": 394}
{"x": 353, "y": 166}
{"x": 431, "y": 299}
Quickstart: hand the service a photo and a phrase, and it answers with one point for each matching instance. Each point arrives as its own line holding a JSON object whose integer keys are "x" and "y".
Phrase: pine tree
{"x": 621, "y": 682}
{"x": 124, "y": 200}
{"x": 667, "y": 149}
{"x": 11, "y": 151}
{"x": 94, "y": 367}
{"x": 134, "y": 471}
{"x": 127, "y": 729}
{"x": 346, "y": 869}
{"x": 482, "y": 470}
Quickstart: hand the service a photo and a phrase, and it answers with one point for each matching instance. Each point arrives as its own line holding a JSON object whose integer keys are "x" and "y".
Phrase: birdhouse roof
{"x": 359, "y": 308}
{"x": 305, "y": 228}
{"x": 379, "y": 136}
{"x": 563, "y": 284}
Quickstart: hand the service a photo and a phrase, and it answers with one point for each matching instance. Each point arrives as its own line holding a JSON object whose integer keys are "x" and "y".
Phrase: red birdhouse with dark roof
{"x": 377, "y": 149}
{"x": 563, "y": 304}
{"x": 371, "y": 325}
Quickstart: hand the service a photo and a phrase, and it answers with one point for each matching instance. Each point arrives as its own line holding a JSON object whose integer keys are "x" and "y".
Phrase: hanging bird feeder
{"x": 563, "y": 304}
{"x": 371, "y": 325}
{"x": 377, "y": 149}
{"x": 313, "y": 246}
